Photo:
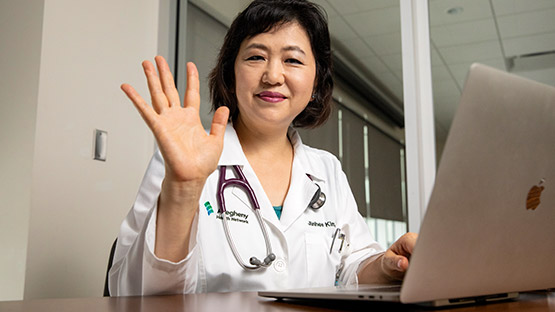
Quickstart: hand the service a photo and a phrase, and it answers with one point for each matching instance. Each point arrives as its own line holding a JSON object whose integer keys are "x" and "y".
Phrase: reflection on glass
{"x": 511, "y": 35}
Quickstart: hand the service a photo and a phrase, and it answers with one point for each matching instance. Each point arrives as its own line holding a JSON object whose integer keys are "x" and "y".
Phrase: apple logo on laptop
{"x": 533, "y": 199}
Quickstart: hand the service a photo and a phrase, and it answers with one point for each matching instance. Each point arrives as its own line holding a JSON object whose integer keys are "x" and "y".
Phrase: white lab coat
{"x": 301, "y": 239}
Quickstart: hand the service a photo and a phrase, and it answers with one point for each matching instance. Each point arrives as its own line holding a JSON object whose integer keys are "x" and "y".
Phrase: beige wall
{"x": 60, "y": 209}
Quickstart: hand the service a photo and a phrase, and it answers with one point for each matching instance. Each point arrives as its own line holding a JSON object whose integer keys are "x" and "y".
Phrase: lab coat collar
{"x": 233, "y": 155}
{"x": 304, "y": 175}
{"x": 301, "y": 190}
{"x": 232, "y": 152}
{"x": 312, "y": 169}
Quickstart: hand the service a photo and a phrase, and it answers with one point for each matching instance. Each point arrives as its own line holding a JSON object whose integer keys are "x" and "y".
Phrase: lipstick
{"x": 272, "y": 97}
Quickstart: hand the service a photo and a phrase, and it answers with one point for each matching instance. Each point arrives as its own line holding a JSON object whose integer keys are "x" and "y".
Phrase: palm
{"x": 189, "y": 152}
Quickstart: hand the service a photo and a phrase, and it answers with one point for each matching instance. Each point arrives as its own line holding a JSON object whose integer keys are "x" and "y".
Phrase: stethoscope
{"x": 316, "y": 202}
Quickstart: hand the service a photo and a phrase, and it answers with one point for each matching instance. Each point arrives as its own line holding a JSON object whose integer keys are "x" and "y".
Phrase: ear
{"x": 315, "y": 88}
{"x": 314, "y": 92}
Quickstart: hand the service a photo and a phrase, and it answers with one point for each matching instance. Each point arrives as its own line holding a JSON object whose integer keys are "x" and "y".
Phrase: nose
{"x": 273, "y": 74}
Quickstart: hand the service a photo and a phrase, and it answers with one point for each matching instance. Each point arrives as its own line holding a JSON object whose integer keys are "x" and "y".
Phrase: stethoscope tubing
{"x": 242, "y": 182}
{"x": 317, "y": 202}
{"x": 263, "y": 264}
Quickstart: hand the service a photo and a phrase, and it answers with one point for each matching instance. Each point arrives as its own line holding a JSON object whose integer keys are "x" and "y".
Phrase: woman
{"x": 273, "y": 71}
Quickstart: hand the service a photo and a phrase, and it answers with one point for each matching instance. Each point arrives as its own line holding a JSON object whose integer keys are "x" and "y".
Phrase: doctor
{"x": 273, "y": 73}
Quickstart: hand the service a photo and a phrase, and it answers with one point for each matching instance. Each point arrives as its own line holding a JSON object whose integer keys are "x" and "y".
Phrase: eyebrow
{"x": 265, "y": 48}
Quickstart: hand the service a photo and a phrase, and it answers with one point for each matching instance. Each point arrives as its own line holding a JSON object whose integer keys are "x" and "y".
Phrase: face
{"x": 274, "y": 73}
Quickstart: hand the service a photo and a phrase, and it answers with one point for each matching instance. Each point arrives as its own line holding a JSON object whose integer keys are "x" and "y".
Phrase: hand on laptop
{"x": 395, "y": 261}
{"x": 391, "y": 265}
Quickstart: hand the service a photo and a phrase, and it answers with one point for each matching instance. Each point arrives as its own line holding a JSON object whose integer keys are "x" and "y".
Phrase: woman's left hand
{"x": 390, "y": 266}
{"x": 395, "y": 261}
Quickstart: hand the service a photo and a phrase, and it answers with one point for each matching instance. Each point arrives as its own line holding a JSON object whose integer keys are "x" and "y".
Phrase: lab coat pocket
{"x": 320, "y": 263}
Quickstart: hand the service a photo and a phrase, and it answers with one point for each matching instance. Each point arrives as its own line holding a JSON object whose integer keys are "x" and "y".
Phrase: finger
{"x": 404, "y": 245}
{"x": 408, "y": 241}
{"x": 146, "y": 112}
{"x": 192, "y": 96}
{"x": 219, "y": 122}
{"x": 168, "y": 84}
{"x": 159, "y": 100}
{"x": 395, "y": 262}
{"x": 401, "y": 263}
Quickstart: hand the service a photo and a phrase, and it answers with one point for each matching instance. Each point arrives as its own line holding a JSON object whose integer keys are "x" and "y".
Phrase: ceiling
{"x": 485, "y": 31}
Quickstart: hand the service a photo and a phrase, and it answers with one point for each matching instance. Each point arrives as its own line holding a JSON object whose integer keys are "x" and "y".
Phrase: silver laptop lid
{"x": 479, "y": 236}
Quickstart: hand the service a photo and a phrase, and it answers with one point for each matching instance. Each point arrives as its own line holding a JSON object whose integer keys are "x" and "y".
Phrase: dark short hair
{"x": 262, "y": 16}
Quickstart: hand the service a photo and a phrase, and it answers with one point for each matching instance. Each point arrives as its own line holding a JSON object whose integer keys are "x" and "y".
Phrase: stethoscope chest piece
{"x": 318, "y": 200}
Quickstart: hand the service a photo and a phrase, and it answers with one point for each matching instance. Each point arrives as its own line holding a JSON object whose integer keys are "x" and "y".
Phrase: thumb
{"x": 219, "y": 122}
{"x": 393, "y": 263}
{"x": 400, "y": 263}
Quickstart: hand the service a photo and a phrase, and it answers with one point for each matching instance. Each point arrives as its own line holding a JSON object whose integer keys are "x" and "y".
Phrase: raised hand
{"x": 189, "y": 152}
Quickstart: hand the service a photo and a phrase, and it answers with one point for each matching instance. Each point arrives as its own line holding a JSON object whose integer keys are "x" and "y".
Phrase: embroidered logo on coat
{"x": 208, "y": 208}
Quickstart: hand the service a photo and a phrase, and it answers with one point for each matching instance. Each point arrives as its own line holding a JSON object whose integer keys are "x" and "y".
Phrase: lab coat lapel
{"x": 302, "y": 188}
{"x": 301, "y": 191}
{"x": 232, "y": 154}
{"x": 266, "y": 210}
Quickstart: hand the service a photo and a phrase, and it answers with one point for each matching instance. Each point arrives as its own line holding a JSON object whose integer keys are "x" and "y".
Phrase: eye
{"x": 293, "y": 61}
{"x": 255, "y": 58}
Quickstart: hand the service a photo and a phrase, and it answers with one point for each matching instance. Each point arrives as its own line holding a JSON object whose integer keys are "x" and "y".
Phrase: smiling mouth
{"x": 272, "y": 97}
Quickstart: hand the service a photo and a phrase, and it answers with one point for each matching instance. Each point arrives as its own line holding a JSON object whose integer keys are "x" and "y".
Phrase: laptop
{"x": 489, "y": 228}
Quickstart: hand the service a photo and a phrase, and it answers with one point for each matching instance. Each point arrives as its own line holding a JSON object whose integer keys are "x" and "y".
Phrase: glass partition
{"x": 510, "y": 35}
{"x": 367, "y": 36}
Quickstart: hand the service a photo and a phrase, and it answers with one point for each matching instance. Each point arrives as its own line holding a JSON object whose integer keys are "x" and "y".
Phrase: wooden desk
{"x": 246, "y": 302}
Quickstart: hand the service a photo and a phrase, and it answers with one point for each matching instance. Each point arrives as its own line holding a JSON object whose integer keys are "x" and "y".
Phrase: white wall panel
{"x": 88, "y": 50}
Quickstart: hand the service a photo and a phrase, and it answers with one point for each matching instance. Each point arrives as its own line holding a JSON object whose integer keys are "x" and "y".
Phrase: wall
{"x": 88, "y": 50}
{"x": 58, "y": 204}
{"x": 20, "y": 41}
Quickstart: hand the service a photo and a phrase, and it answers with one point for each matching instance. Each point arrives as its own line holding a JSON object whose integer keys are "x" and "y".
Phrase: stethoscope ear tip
{"x": 271, "y": 257}
{"x": 255, "y": 261}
